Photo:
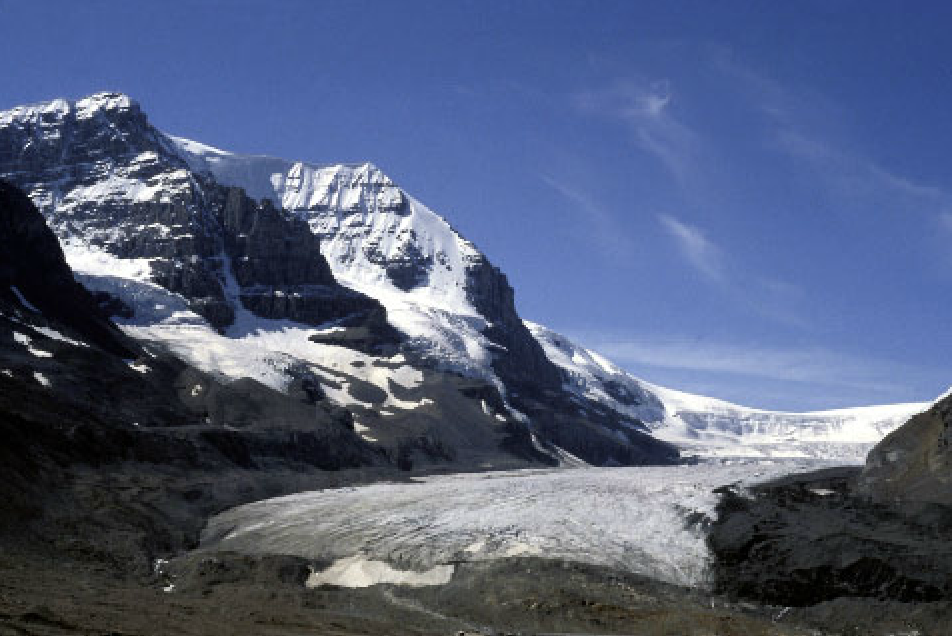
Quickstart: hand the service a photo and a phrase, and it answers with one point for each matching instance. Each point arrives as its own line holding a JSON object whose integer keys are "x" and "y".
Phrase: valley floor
{"x": 229, "y": 594}
{"x": 589, "y": 551}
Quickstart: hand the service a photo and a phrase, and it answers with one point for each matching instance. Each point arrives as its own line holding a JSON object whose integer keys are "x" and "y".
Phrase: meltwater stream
{"x": 631, "y": 519}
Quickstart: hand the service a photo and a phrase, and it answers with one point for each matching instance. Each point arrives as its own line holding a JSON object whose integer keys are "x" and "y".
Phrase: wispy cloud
{"x": 852, "y": 177}
{"x": 599, "y": 222}
{"x": 645, "y": 108}
{"x": 814, "y": 365}
{"x": 803, "y": 125}
{"x": 695, "y": 247}
{"x": 768, "y": 297}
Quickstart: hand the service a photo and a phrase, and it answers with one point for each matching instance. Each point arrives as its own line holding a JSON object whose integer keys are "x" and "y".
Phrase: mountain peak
{"x": 104, "y": 101}
{"x": 57, "y": 109}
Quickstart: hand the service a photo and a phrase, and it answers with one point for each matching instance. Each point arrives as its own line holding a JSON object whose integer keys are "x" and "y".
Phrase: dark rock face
{"x": 520, "y": 359}
{"x": 811, "y": 538}
{"x": 80, "y": 142}
{"x": 913, "y": 464}
{"x": 409, "y": 267}
{"x": 182, "y": 239}
{"x": 32, "y": 262}
{"x": 268, "y": 247}
{"x": 277, "y": 264}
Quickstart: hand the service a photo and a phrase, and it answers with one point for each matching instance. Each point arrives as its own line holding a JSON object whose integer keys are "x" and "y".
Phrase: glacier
{"x": 643, "y": 520}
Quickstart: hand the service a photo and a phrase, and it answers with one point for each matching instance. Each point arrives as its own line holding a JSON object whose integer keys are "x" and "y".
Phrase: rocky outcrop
{"x": 269, "y": 248}
{"x": 879, "y": 532}
{"x": 913, "y": 464}
{"x": 520, "y": 359}
{"x": 812, "y": 538}
{"x": 277, "y": 264}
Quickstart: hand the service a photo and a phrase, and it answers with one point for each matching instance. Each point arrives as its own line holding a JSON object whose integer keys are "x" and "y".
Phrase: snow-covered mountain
{"x": 379, "y": 240}
{"x": 335, "y": 277}
{"x": 383, "y": 242}
{"x": 246, "y": 287}
{"x": 716, "y": 428}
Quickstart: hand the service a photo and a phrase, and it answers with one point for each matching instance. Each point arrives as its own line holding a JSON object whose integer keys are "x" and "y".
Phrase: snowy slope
{"x": 377, "y": 240}
{"x": 389, "y": 397}
{"x": 712, "y": 427}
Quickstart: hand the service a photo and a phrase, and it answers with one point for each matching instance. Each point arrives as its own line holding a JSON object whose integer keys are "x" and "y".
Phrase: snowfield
{"x": 637, "y": 520}
{"x": 709, "y": 427}
{"x": 263, "y": 349}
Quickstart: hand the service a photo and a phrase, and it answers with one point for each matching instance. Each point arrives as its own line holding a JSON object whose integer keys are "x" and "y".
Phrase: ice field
{"x": 639, "y": 520}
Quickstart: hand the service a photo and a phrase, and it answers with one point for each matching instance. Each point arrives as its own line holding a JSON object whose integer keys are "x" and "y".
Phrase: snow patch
{"x": 362, "y": 431}
{"x": 356, "y": 571}
{"x": 26, "y": 341}
{"x": 55, "y": 335}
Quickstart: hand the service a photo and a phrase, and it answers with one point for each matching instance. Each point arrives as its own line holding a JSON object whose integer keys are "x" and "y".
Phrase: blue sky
{"x": 749, "y": 200}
